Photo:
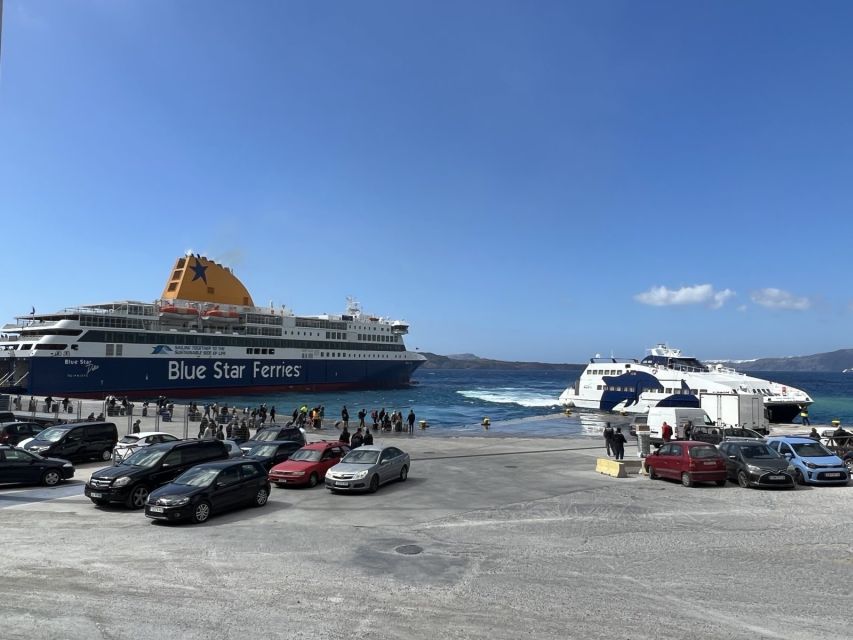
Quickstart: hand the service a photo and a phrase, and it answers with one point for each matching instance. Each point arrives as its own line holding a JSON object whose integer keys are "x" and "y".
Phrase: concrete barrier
{"x": 615, "y": 468}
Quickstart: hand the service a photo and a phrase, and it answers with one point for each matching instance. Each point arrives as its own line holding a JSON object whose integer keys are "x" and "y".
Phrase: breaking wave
{"x": 521, "y": 397}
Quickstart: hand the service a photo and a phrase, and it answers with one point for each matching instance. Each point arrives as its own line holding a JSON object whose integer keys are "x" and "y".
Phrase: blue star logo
{"x": 199, "y": 271}
{"x": 162, "y": 348}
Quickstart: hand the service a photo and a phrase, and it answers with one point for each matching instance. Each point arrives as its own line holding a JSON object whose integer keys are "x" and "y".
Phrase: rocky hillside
{"x": 832, "y": 361}
{"x": 470, "y": 361}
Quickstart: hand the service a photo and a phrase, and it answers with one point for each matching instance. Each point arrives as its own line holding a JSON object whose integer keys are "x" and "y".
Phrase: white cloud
{"x": 780, "y": 299}
{"x": 697, "y": 294}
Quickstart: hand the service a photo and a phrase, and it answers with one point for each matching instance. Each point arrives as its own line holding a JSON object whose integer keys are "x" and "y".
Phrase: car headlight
{"x": 298, "y": 473}
{"x": 753, "y": 469}
{"x": 811, "y": 465}
{"x": 122, "y": 482}
{"x": 361, "y": 474}
{"x": 174, "y": 501}
{"x": 68, "y": 465}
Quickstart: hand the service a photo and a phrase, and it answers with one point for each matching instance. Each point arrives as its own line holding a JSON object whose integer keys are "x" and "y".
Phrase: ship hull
{"x": 198, "y": 377}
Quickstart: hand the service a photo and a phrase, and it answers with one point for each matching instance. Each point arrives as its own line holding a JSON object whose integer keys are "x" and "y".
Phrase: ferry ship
{"x": 203, "y": 337}
{"x": 667, "y": 378}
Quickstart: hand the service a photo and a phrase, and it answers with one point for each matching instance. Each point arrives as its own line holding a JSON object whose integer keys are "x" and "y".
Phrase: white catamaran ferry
{"x": 667, "y": 378}
{"x": 204, "y": 336}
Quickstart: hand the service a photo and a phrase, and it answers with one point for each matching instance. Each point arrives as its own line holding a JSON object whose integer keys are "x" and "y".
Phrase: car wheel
{"x": 404, "y": 473}
{"x": 201, "y": 512}
{"x": 51, "y": 478}
{"x": 261, "y": 497}
{"x": 106, "y": 455}
{"x": 653, "y": 475}
{"x": 742, "y": 479}
{"x": 374, "y": 484}
{"x": 798, "y": 477}
{"x": 313, "y": 480}
{"x": 686, "y": 480}
{"x": 138, "y": 496}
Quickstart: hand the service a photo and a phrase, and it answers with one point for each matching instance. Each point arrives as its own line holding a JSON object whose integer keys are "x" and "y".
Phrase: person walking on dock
{"x": 804, "y": 414}
{"x": 411, "y": 420}
{"x": 608, "y": 439}
{"x": 665, "y": 432}
{"x": 345, "y": 416}
{"x": 618, "y": 444}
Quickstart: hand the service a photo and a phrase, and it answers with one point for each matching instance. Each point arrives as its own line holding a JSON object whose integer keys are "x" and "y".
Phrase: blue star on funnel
{"x": 199, "y": 271}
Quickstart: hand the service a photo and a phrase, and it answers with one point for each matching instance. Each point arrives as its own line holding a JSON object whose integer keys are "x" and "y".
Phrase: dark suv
{"x": 269, "y": 434}
{"x": 148, "y": 468}
{"x": 14, "y": 432}
{"x": 716, "y": 435}
{"x": 79, "y": 441}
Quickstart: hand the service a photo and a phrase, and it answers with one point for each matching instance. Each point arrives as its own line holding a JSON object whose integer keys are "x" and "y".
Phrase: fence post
{"x": 186, "y": 424}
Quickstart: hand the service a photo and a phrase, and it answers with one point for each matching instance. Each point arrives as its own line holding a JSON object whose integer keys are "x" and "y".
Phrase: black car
{"x": 271, "y": 453}
{"x": 268, "y": 434}
{"x": 18, "y": 465}
{"x": 716, "y": 435}
{"x": 14, "y": 432}
{"x": 143, "y": 471}
{"x": 78, "y": 441}
{"x": 209, "y": 488}
{"x": 754, "y": 464}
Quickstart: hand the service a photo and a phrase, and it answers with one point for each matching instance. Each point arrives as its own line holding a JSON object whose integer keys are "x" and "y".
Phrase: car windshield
{"x": 811, "y": 449}
{"x": 704, "y": 452}
{"x": 129, "y": 440}
{"x": 361, "y": 456}
{"x": 52, "y": 434}
{"x": 143, "y": 458}
{"x": 266, "y": 436}
{"x": 197, "y": 477}
{"x": 263, "y": 450}
{"x": 758, "y": 452}
{"x": 306, "y": 454}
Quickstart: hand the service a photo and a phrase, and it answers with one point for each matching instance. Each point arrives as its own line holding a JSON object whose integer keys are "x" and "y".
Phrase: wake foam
{"x": 521, "y": 397}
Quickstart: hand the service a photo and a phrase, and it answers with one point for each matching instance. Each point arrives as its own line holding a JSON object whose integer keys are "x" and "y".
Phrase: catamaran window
{"x": 669, "y": 390}
{"x": 600, "y": 387}
{"x": 52, "y": 347}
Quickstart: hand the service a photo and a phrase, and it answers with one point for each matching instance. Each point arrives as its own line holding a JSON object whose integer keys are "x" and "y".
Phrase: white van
{"x": 675, "y": 417}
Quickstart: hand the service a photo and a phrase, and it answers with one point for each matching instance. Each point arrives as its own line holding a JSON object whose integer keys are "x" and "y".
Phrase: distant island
{"x": 470, "y": 361}
{"x": 836, "y": 361}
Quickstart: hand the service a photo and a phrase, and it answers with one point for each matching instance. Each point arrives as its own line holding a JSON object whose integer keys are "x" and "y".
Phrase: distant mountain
{"x": 832, "y": 361}
{"x": 470, "y": 361}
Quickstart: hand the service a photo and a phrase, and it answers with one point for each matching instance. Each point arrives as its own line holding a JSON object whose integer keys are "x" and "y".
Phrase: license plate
{"x": 776, "y": 477}
{"x": 155, "y": 509}
{"x": 833, "y": 475}
{"x": 342, "y": 484}
{"x": 710, "y": 464}
{"x": 96, "y": 495}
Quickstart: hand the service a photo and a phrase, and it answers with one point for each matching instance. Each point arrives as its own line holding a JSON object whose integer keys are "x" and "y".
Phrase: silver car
{"x": 133, "y": 441}
{"x": 368, "y": 467}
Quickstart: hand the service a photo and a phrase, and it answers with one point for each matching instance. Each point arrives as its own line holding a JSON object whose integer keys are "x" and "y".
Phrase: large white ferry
{"x": 204, "y": 336}
{"x": 667, "y": 378}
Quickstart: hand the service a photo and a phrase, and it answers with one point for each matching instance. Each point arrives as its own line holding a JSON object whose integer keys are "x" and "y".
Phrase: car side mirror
{"x": 788, "y": 455}
{"x": 732, "y": 457}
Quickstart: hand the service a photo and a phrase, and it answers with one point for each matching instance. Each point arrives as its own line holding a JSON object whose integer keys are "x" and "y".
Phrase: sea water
{"x": 454, "y": 402}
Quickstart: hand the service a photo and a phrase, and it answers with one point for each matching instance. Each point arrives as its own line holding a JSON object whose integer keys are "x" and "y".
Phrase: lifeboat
{"x": 220, "y": 316}
{"x": 178, "y": 313}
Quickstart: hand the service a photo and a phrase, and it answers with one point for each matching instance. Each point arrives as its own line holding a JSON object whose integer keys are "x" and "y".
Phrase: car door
{"x": 389, "y": 464}
{"x": 20, "y": 466}
{"x": 251, "y": 479}
{"x": 727, "y": 451}
{"x": 70, "y": 446}
{"x": 661, "y": 460}
{"x": 228, "y": 490}
{"x": 171, "y": 466}
{"x": 678, "y": 460}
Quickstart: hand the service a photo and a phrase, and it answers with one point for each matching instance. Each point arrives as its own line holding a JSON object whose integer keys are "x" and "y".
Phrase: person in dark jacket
{"x": 345, "y": 416}
{"x": 618, "y": 444}
{"x": 344, "y": 437}
{"x": 368, "y": 437}
{"x": 357, "y": 439}
{"x": 608, "y": 438}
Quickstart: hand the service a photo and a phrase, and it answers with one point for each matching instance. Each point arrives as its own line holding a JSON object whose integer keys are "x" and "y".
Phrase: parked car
{"x": 77, "y": 441}
{"x": 716, "y": 435}
{"x": 271, "y": 453}
{"x": 813, "y": 463}
{"x": 308, "y": 466}
{"x": 136, "y": 476}
{"x": 367, "y": 468}
{"x": 209, "y": 488}
{"x": 754, "y": 464}
{"x": 14, "y": 432}
{"x": 234, "y": 450}
{"x": 268, "y": 434}
{"x": 133, "y": 441}
{"x": 18, "y": 465}
{"x": 7, "y": 416}
{"x": 688, "y": 460}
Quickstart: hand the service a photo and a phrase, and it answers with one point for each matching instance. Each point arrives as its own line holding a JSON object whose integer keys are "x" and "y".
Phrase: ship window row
{"x": 255, "y": 318}
{"x": 230, "y": 341}
{"x": 312, "y": 323}
{"x": 371, "y": 338}
{"x": 108, "y": 321}
{"x": 263, "y": 331}
{"x": 53, "y": 332}
{"x": 260, "y": 351}
{"x": 336, "y": 335}
{"x": 51, "y": 347}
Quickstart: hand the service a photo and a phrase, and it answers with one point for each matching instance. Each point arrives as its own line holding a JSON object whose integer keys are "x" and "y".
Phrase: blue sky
{"x": 520, "y": 180}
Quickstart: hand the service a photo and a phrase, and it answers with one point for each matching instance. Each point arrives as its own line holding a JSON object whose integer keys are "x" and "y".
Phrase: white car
{"x": 131, "y": 442}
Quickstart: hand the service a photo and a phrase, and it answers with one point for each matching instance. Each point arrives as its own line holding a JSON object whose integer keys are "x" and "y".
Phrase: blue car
{"x": 813, "y": 463}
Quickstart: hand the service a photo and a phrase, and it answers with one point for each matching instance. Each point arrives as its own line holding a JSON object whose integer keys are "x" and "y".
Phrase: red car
{"x": 308, "y": 465}
{"x": 688, "y": 461}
